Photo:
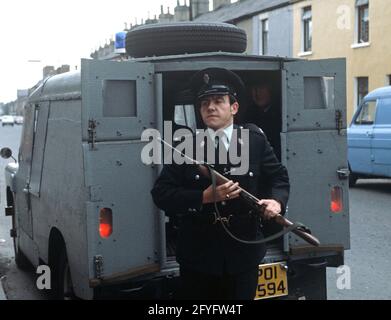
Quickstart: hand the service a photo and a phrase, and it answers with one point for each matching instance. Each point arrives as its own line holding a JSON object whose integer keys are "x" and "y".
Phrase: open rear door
{"x": 314, "y": 149}
{"x": 117, "y": 105}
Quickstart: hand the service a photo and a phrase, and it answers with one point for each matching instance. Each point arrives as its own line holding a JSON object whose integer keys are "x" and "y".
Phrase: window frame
{"x": 360, "y": 6}
{"x": 306, "y": 18}
{"x": 359, "y": 100}
{"x": 260, "y": 33}
{"x": 265, "y": 36}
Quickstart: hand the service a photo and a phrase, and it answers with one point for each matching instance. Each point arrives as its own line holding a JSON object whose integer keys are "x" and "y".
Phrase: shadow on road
{"x": 381, "y": 185}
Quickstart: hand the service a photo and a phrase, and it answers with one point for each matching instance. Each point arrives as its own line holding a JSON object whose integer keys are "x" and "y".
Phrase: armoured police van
{"x": 79, "y": 194}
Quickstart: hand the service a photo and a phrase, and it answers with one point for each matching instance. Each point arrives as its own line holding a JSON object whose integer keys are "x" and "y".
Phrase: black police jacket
{"x": 204, "y": 245}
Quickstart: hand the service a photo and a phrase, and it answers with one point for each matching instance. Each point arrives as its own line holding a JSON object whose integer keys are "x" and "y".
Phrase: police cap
{"x": 216, "y": 81}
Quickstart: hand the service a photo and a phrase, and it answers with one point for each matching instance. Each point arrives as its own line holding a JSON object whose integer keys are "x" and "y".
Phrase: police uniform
{"x": 213, "y": 264}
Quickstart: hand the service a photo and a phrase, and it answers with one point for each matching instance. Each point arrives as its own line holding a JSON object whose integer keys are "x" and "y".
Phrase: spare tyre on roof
{"x": 184, "y": 37}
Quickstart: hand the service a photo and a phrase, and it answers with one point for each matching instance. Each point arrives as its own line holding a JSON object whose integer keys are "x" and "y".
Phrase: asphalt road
{"x": 369, "y": 259}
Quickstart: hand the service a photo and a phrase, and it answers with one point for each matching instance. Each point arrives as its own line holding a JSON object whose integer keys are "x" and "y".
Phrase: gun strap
{"x": 218, "y": 215}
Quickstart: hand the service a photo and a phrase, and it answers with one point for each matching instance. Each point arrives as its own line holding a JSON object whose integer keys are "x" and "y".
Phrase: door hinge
{"x": 343, "y": 173}
{"x": 9, "y": 211}
{"x": 91, "y": 133}
{"x": 338, "y": 121}
{"x": 13, "y": 233}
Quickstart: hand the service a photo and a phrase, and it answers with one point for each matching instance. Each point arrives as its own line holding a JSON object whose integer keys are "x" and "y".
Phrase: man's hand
{"x": 273, "y": 208}
{"x": 224, "y": 192}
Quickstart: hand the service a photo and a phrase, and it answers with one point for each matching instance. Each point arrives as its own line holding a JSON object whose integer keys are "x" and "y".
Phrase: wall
{"x": 334, "y": 29}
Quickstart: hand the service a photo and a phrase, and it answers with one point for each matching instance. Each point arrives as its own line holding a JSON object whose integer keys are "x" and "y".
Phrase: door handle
{"x": 369, "y": 134}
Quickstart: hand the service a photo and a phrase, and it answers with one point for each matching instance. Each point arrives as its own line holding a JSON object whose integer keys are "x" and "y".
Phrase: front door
{"x": 360, "y": 138}
{"x": 381, "y": 143}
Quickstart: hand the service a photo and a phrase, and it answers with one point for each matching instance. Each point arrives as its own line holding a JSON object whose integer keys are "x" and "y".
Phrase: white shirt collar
{"x": 226, "y": 137}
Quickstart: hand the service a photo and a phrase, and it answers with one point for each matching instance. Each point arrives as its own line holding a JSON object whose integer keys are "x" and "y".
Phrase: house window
{"x": 362, "y": 8}
{"x": 265, "y": 36}
{"x": 307, "y": 29}
{"x": 362, "y": 89}
{"x": 389, "y": 80}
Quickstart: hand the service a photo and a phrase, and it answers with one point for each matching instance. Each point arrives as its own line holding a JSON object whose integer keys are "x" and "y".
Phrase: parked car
{"x": 7, "y": 120}
{"x": 18, "y": 120}
{"x": 369, "y": 137}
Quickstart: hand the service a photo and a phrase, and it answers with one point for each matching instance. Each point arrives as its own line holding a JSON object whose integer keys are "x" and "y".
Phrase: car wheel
{"x": 182, "y": 37}
{"x": 352, "y": 179}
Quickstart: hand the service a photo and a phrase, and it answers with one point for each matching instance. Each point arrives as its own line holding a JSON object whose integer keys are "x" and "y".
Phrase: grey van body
{"x": 80, "y": 153}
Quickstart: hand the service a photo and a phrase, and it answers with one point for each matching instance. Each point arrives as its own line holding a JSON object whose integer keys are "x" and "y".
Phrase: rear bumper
{"x": 158, "y": 286}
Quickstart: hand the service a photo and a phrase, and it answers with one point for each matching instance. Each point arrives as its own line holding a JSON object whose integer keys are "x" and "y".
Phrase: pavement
{"x": 2, "y": 293}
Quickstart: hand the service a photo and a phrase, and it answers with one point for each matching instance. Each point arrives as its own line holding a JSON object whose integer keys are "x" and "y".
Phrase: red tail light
{"x": 105, "y": 222}
{"x": 336, "y": 200}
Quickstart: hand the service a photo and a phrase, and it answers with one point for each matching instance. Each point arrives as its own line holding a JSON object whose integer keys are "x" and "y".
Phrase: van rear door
{"x": 117, "y": 105}
{"x": 314, "y": 149}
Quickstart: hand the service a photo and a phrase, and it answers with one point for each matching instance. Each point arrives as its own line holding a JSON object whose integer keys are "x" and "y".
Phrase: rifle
{"x": 218, "y": 179}
{"x": 300, "y": 230}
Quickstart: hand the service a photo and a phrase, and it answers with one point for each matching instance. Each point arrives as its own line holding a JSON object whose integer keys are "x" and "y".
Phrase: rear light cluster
{"x": 336, "y": 200}
{"x": 105, "y": 223}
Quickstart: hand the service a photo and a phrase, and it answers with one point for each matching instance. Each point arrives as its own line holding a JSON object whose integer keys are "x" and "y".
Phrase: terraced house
{"x": 359, "y": 30}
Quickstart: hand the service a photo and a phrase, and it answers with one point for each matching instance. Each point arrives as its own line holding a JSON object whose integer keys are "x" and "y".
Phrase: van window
{"x": 119, "y": 98}
{"x": 40, "y": 127}
{"x": 384, "y": 112}
{"x": 319, "y": 92}
{"x": 185, "y": 116}
{"x": 26, "y": 147}
{"x": 367, "y": 113}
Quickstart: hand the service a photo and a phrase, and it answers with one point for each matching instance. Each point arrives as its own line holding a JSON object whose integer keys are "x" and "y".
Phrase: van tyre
{"x": 352, "y": 180}
{"x": 181, "y": 38}
{"x": 62, "y": 280}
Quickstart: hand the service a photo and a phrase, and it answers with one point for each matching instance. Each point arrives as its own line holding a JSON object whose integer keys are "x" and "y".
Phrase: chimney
{"x": 219, "y": 3}
{"x": 182, "y": 13}
{"x": 47, "y": 71}
{"x": 199, "y": 7}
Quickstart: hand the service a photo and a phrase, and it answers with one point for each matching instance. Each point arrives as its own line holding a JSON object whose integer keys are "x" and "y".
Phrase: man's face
{"x": 217, "y": 112}
{"x": 261, "y": 95}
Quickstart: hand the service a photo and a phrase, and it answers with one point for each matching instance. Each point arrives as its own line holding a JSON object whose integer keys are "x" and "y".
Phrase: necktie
{"x": 217, "y": 149}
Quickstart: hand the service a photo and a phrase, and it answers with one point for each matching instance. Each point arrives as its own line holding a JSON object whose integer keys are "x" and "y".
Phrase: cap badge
{"x": 206, "y": 78}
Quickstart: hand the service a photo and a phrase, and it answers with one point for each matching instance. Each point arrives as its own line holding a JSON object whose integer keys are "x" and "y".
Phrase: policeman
{"x": 213, "y": 265}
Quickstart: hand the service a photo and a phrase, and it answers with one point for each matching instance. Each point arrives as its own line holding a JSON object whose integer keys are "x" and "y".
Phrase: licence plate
{"x": 272, "y": 281}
